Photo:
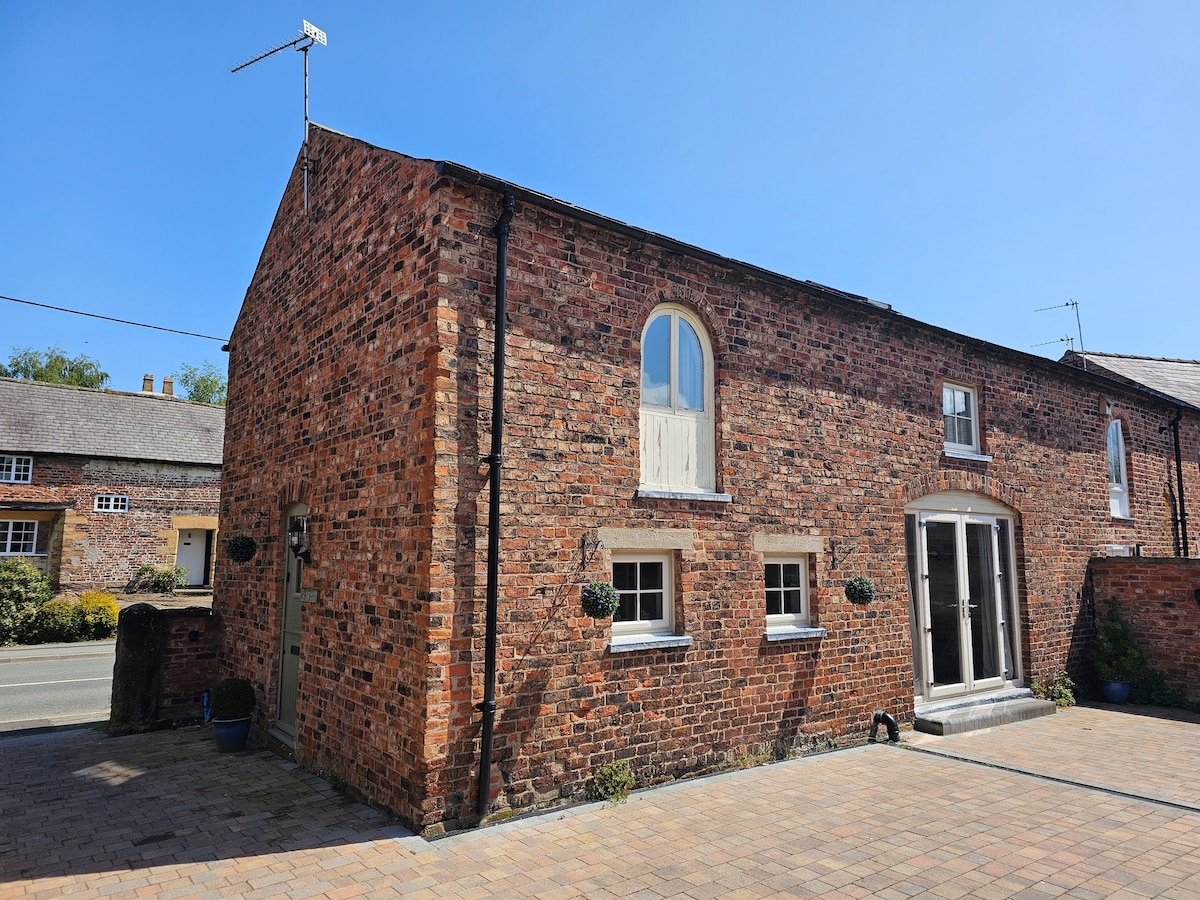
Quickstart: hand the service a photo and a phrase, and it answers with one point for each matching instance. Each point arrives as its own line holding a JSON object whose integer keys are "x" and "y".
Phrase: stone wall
{"x": 360, "y": 385}
{"x": 1161, "y": 599}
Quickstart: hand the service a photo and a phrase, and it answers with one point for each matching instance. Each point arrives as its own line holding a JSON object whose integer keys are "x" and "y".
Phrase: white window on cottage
{"x": 112, "y": 503}
{"x": 1118, "y": 484}
{"x": 960, "y": 414}
{"x": 643, "y": 585}
{"x": 17, "y": 469}
{"x": 677, "y": 403}
{"x": 786, "y": 582}
{"x": 17, "y": 538}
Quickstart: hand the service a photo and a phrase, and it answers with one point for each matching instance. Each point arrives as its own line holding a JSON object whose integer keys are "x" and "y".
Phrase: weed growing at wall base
{"x": 612, "y": 782}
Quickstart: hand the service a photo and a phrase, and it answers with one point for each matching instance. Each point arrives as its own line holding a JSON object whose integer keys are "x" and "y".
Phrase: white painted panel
{"x": 677, "y": 451}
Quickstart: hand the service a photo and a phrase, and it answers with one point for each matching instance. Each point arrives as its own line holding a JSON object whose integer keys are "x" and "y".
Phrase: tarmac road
{"x": 55, "y": 684}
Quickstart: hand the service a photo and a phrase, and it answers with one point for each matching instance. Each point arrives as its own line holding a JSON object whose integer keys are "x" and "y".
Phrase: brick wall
{"x": 1161, "y": 599}
{"x": 191, "y": 638}
{"x": 360, "y": 383}
{"x": 86, "y": 548}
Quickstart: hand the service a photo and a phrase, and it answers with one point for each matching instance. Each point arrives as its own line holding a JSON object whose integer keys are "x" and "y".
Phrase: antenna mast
{"x": 1074, "y": 304}
{"x": 308, "y": 35}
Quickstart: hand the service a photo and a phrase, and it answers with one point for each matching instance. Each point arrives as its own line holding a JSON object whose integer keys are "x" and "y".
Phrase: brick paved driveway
{"x": 165, "y": 815}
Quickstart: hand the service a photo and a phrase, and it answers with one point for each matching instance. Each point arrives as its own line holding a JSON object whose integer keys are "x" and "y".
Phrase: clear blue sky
{"x": 965, "y": 162}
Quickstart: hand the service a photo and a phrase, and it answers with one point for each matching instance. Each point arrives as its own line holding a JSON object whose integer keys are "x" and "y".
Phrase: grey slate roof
{"x": 1178, "y": 378}
{"x": 53, "y": 418}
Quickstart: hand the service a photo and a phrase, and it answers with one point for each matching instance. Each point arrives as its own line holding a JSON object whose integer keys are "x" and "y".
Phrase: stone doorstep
{"x": 983, "y": 715}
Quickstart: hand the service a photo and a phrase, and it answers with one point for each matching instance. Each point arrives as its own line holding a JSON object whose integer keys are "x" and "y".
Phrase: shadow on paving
{"x": 1149, "y": 752}
{"x": 80, "y": 802}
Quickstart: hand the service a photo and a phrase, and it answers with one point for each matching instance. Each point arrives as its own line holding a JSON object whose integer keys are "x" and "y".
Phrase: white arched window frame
{"x": 1118, "y": 482}
{"x": 677, "y": 401}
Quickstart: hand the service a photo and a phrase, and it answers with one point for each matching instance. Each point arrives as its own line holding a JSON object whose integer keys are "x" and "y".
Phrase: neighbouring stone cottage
{"x": 95, "y": 484}
{"x": 727, "y": 445}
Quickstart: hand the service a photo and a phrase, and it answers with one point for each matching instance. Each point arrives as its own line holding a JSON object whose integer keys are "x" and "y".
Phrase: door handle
{"x": 294, "y": 649}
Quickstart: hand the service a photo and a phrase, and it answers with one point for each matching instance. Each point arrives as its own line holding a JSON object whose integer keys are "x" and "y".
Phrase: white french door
{"x": 961, "y": 628}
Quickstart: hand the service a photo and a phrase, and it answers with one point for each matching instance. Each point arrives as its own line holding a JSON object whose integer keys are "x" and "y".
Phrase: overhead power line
{"x": 78, "y": 312}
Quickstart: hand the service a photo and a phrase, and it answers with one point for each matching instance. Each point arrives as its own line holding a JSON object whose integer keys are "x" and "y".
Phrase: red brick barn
{"x": 728, "y": 446}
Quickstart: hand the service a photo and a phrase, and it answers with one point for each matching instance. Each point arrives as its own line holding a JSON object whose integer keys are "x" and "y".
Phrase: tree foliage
{"x": 53, "y": 365}
{"x": 204, "y": 384}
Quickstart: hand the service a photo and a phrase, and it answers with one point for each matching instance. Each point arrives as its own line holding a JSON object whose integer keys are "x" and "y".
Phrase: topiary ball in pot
{"x": 231, "y": 698}
{"x": 599, "y": 599}
{"x": 860, "y": 590}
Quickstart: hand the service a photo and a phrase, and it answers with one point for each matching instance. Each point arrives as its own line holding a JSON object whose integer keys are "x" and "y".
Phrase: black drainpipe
{"x": 1179, "y": 480}
{"x": 494, "y": 460}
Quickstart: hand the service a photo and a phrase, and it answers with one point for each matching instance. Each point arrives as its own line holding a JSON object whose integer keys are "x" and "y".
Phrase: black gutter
{"x": 494, "y": 461}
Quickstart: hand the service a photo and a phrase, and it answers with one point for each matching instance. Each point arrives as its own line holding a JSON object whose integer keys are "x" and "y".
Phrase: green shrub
{"x": 99, "y": 614}
{"x": 157, "y": 580}
{"x": 612, "y": 782}
{"x": 1061, "y": 690}
{"x": 231, "y": 698}
{"x": 57, "y": 621}
{"x": 23, "y": 589}
{"x": 1116, "y": 654}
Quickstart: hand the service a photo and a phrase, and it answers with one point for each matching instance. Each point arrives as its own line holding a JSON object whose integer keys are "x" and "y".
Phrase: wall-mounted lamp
{"x": 298, "y": 538}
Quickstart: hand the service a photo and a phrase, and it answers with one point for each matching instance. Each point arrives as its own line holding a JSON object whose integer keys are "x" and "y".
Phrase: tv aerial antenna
{"x": 1073, "y": 304}
{"x": 302, "y": 42}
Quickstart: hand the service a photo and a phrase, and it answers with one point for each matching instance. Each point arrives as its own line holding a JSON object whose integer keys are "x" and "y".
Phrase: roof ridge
{"x": 1192, "y": 362}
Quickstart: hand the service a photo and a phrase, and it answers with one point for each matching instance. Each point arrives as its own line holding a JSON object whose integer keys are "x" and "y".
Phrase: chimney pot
{"x": 169, "y": 386}
{"x": 148, "y": 384}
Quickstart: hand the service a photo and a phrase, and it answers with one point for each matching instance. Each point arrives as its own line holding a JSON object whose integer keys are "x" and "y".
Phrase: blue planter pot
{"x": 231, "y": 734}
{"x": 1115, "y": 691}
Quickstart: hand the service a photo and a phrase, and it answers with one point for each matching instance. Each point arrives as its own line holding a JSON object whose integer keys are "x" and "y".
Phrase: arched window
{"x": 1118, "y": 484}
{"x": 677, "y": 403}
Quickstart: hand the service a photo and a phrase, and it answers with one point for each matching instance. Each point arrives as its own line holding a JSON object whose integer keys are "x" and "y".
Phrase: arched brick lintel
{"x": 958, "y": 480}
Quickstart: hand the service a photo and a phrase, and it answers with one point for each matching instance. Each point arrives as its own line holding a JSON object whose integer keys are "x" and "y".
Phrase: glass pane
{"x": 791, "y": 575}
{"x": 625, "y": 576}
{"x": 652, "y": 576}
{"x": 691, "y": 368}
{"x": 942, "y": 567}
{"x": 652, "y": 605}
{"x": 656, "y": 363}
{"x": 791, "y": 602}
{"x": 774, "y": 605}
{"x": 1115, "y": 474}
{"x": 772, "y": 575}
{"x": 626, "y": 608}
{"x": 981, "y": 581}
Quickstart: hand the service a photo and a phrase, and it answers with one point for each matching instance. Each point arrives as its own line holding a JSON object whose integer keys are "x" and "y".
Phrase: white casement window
{"x": 17, "y": 469}
{"x": 960, "y": 414}
{"x": 1118, "y": 484}
{"x": 17, "y": 538}
{"x": 677, "y": 444}
{"x": 785, "y": 579}
{"x": 643, "y": 585}
{"x": 112, "y": 503}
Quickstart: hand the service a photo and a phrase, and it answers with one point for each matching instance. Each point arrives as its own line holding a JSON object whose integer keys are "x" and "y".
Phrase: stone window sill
{"x": 965, "y": 454}
{"x": 796, "y": 632}
{"x": 656, "y": 494}
{"x": 635, "y": 642}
